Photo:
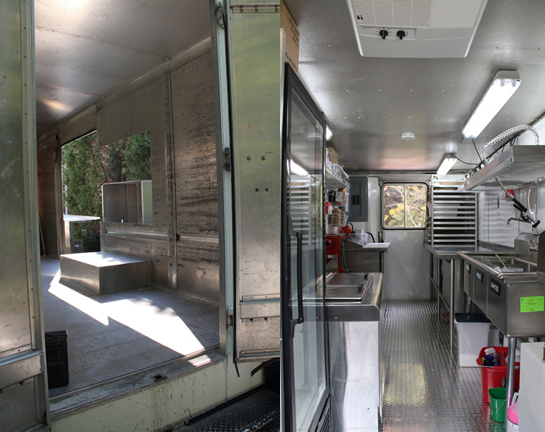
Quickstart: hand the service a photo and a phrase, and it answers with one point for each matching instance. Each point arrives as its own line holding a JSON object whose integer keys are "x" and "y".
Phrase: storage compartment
{"x": 473, "y": 332}
{"x": 56, "y": 354}
{"x": 496, "y": 376}
{"x": 127, "y": 202}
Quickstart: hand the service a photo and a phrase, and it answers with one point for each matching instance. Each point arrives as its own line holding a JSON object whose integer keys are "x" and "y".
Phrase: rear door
{"x": 23, "y": 388}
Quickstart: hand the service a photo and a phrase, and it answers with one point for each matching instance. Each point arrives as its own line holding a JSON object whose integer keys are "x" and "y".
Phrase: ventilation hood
{"x": 415, "y": 28}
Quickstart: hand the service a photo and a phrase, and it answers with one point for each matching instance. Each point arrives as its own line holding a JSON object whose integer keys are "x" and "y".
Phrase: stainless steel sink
{"x": 500, "y": 284}
{"x": 509, "y": 265}
{"x": 501, "y": 264}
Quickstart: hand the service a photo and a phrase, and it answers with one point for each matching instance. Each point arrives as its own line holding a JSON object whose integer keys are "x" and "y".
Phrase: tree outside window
{"x": 87, "y": 165}
{"x": 404, "y": 205}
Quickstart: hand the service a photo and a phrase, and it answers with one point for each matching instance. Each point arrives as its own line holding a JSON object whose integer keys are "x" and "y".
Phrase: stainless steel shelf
{"x": 517, "y": 165}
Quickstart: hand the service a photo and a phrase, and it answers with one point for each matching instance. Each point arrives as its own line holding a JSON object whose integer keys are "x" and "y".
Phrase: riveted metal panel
{"x": 255, "y": 78}
{"x": 21, "y": 340}
{"x": 18, "y": 400}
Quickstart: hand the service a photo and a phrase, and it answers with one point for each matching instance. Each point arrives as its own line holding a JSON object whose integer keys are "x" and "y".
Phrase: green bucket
{"x": 497, "y": 403}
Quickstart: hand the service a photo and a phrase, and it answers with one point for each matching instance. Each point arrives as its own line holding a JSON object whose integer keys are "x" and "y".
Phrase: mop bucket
{"x": 498, "y": 398}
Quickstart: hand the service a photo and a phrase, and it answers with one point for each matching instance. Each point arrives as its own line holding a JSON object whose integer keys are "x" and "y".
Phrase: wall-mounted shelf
{"x": 336, "y": 178}
{"x": 516, "y": 165}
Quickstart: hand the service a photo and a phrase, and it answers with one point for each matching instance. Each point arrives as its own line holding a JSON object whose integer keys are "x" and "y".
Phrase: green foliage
{"x": 91, "y": 242}
{"x": 84, "y": 172}
{"x": 87, "y": 166}
{"x": 137, "y": 155}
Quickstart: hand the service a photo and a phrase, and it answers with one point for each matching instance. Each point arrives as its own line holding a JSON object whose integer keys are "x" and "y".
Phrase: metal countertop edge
{"x": 368, "y": 309}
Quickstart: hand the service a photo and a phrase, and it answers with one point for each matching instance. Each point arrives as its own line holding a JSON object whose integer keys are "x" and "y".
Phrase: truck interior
{"x": 189, "y": 319}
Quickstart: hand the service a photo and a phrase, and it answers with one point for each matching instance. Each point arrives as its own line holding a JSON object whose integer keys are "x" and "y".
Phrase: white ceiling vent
{"x": 415, "y": 28}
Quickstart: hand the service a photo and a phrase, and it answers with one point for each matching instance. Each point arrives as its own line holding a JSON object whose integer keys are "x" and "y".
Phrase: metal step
{"x": 105, "y": 272}
{"x": 258, "y": 410}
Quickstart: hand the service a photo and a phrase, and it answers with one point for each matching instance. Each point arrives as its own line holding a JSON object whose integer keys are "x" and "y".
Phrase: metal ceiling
{"x": 369, "y": 102}
{"x": 86, "y": 50}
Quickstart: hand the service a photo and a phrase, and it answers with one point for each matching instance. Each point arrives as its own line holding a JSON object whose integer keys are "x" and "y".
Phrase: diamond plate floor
{"x": 424, "y": 389}
{"x": 258, "y": 410}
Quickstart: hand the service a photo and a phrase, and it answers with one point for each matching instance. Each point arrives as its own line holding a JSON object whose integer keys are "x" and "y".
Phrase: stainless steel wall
{"x": 23, "y": 399}
{"x": 46, "y": 181}
{"x": 140, "y": 107}
{"x": 139, "y": 111}
{"x": 196, "y": 179}
{"x": 494, "y": 211}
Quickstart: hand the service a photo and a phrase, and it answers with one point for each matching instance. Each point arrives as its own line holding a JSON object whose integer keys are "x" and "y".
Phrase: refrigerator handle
{"x": 300, "y": 277}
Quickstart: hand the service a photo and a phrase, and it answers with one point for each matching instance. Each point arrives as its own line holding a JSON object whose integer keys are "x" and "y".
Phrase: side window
{"x": 404, "y": 206}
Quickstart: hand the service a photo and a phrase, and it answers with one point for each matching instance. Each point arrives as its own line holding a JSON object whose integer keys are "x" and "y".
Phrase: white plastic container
{"x": 473, "y": 332}
{"x": 513, "y": 414}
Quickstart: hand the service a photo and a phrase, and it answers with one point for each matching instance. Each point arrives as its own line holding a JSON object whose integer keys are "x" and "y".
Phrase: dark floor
{"x": 424, "y": 389}
{"x": 117, "y": 334}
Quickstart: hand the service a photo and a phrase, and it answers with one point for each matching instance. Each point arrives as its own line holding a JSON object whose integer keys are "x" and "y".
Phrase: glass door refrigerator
{"x": 305, "y": 391}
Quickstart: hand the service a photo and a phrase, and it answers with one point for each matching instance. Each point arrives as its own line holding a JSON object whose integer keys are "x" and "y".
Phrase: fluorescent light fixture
{"x": 504, "y": 84}
{"x": 328, "y": 133}
{"x": 446, "y": 165}
{"x": 297, "y": 169}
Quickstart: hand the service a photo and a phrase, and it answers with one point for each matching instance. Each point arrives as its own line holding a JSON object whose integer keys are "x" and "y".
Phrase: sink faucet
{"x": 534, "y": 229}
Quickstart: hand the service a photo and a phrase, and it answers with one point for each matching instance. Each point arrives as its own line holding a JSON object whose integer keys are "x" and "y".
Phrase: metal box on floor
{"x": 104, "y": 272}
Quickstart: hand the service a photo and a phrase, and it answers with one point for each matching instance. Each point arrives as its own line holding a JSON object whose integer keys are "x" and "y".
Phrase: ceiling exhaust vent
{"x": 415, "y": 28}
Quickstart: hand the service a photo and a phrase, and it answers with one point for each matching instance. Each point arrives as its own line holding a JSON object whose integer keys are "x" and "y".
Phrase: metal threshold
{"x": 68, "y": 404}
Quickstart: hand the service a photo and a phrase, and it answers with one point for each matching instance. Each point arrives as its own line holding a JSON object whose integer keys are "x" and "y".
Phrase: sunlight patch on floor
{"x": 160, "y": 324}
{"x": 77, "y": 300}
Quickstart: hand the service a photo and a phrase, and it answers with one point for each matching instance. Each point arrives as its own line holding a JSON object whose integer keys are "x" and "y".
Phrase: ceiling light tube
{"x": 446, "y": 165}
{"x": 328, "y": 133}
{"x": 503, "y": 86}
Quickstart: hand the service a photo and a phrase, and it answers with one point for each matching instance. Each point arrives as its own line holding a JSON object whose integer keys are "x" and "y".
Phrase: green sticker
{"x": 532, "y": 304}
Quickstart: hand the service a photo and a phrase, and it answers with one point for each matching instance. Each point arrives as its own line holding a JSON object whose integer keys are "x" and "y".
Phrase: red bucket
{"x": 492, "y": 376}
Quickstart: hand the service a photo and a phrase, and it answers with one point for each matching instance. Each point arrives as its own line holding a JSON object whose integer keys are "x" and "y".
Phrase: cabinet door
{"x": 256, "y": 170}
{"x": 23, "y": 389}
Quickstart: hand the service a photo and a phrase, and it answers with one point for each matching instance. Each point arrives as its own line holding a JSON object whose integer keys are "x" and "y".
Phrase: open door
{"x": 304, "y": 338}
{"x": 23, "y": 388}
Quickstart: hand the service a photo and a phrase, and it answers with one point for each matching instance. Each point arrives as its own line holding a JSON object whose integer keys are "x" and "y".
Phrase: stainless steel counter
{"x": 455, "y": 301}
{"x": 354, "y": 320}
{"x": 353, "y": 297}
{"x": 452, "y": 252}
